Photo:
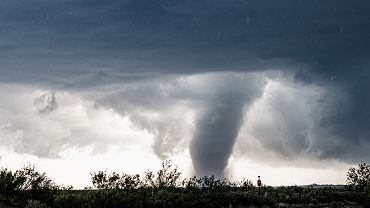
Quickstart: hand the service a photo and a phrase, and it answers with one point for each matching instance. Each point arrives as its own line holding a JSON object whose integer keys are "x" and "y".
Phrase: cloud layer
{"x": 283, "y": 79}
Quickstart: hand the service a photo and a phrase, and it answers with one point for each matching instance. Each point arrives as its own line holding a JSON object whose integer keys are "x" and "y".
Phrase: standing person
{"x": 259, "y": 184}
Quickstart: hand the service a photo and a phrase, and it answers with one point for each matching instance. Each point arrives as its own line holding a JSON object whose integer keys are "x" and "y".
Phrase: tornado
{"x": 214, "y": 137}
{"x": 219, "y": 120}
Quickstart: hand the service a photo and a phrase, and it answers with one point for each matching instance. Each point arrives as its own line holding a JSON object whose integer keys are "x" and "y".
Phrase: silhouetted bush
{"x": 25, "y": 184}
{"x": 359, "y": 178}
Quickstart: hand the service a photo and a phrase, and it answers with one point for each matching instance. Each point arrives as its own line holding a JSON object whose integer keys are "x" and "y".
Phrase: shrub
{"x": 35, "y": 204}
{"x": 359, "y": 177}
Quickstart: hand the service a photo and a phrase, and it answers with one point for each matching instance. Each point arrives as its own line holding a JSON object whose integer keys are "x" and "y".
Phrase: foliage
{"x": 26, "y": 183}
{"x": 9, "y": 182}
{"x": 35, "y": 204}
{"x": 103, "y": 180}
{"x": 359, "y": 177}
{"x": 167, "y": 177}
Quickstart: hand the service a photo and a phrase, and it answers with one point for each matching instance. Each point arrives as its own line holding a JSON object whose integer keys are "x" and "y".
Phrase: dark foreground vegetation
{"x": 165, "y": 188}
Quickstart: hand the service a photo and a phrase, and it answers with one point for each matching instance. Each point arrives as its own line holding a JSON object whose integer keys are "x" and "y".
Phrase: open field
{"x": 193, "y": 197}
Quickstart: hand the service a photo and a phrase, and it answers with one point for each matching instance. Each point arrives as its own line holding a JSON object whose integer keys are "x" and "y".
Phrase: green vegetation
{"x": 359, "y": 178}
{"x": 165, "y": 188}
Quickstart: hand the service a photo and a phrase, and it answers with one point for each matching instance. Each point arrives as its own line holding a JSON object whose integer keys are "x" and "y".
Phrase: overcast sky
{"x": 235, "y": 88}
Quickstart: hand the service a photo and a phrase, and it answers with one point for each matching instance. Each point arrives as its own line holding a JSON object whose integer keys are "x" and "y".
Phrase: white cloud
{"x": 76, "y": 123}
{"x": 281, "y": 121}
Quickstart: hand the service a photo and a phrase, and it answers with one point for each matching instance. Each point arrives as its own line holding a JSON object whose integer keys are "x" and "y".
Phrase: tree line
{"x": 166, "y": 188}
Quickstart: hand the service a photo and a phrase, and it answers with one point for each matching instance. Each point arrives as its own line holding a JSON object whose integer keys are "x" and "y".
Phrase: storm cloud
{"x": 147, "y": 36}
{"x": 45, "y": 103}
{"x": 287, "y": 79}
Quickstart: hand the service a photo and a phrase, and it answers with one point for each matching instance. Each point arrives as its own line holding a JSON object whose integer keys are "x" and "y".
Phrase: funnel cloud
{"x": 218, "y": 123}
{"x": 215, "y": 135}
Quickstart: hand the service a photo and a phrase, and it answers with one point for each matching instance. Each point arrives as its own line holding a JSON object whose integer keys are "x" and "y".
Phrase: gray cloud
{"x": 151, "y": 105}
{"x": 199, "y": 110}
{"x": 77, "y": 123}
{"x": 182, "y": 36}
{"x": 295, "y": 121}
{"x": 45, "y": 103}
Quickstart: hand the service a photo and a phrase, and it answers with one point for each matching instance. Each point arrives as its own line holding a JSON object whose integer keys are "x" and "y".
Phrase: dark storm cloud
{"x": 182, "y": 36}
{"x": 346, "y": 120}
{"x": 84, "y": 45}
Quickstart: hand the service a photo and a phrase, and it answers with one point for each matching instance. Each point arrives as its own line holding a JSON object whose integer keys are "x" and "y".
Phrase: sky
{"x": 234, "y": 88}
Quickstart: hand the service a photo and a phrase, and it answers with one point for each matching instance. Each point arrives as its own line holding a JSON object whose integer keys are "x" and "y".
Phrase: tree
{"x": 359, "y": 177}
{"x": 167, "y": 177}
{"x": 26, "y": 183}
{"x": 25, "y": 179}
{"x": 33, "y": 180}
{"x": 104, "y": 180}
{"x": 9, "y": 182}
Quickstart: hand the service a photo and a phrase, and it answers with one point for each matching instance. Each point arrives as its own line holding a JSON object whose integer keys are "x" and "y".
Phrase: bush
{"x": 35, "y": 204}
{"x": 26, "y": 183}
{"x": 167, "y": 177}
{"x": 359, "y": 177}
